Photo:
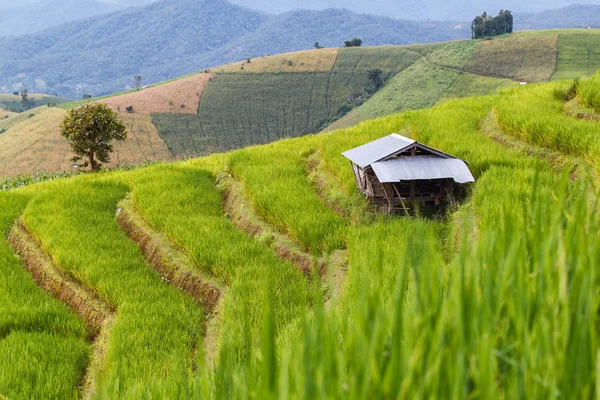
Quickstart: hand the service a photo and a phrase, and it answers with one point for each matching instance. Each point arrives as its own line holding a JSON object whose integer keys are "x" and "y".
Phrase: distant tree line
{"x": 485, "y": 25}
{"x": 356, "y": 42}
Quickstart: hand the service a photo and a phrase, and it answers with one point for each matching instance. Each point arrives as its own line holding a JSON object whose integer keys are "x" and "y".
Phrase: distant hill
{"x": 32, "y": 16}
{"x": 171, "y": 38}
{"x": 463, "y": 10}
{"x": 575, "y": 16}
{"x": 293, "y": 94}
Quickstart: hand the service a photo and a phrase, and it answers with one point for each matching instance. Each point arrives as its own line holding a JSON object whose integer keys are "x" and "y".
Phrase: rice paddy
{"x": 497, "y": 299}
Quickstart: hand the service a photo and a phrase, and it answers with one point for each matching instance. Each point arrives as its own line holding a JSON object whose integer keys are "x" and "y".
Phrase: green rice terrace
{"x": 257, "y": 101}
{"x": 263, "y": 272}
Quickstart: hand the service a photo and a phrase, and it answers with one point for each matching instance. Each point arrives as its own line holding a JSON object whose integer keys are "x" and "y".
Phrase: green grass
{"x": 588, "y": 92}
{"x": 467, "y": 85}
{"x": 157, "y": 328}
{"x": 419, "y": 86}
{"x": 498, "y": 299}
{"x": 536, "y": 114}
{"x": 43, "y": 349}
{"x": 282, "y": 194}
{"x": 442, "y": 320}
{"x": 530, "y": 58}
{"x": 186, "y": 205}
{"x": 578, "y": 56}
{"x": 453, "y": 54}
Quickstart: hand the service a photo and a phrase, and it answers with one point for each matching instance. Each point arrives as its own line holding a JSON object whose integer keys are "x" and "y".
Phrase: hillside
{"x": 33, "y": 16}
{"x": 14, "y": 103}
{"x": 294, "y": 94}
{"x": 264, "y": 271}
{"x": 573, "y": 16}
{"x": 418, "y": 10}
{"x": 522, "y": 57}
{"x": 173, "y": 38}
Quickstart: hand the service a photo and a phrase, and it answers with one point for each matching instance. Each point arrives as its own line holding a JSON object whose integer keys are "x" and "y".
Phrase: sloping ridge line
{"x": 246, "y": 220}
{"x": 165, "y": 259}
{"x": 97, "y": 314}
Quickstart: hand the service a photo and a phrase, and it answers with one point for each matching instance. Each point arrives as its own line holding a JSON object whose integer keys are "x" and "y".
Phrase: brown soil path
{"x": 243, "y": 217}
{"x": 177, "y": 269}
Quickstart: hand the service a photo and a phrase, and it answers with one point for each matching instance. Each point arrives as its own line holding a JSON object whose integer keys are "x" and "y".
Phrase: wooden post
{"x": 450, "y": 190}
{"x": 388, "y": 198}
{"x": 401, "y": 201}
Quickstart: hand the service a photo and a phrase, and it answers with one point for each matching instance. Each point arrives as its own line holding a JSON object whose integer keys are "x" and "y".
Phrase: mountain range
{"x": 32, "y": 16}
{"x": 170, "y": 38}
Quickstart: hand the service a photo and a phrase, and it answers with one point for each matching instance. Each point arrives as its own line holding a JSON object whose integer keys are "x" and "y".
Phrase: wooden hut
{"x": 397, "y": 173}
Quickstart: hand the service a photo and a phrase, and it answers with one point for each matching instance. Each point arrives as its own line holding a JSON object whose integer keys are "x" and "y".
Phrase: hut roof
{"x": 381, "y": 156}
{"x": 423, "y": 167}
{"x": 377, "y": 150}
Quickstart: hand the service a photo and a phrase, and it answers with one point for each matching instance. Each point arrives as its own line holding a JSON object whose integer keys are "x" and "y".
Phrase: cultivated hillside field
{"x": 260, "y": 100}
{"x": 262, "y": 272}
{"x": 13, "y": 103}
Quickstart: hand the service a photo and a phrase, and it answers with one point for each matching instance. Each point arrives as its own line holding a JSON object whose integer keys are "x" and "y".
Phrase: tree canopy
{"x": 356, "y": 42}
{"x": 485, "y": 25}
{"x": 90, "y": 130}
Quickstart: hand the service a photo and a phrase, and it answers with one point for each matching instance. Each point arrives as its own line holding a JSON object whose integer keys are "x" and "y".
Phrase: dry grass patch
{"x": 301, "y": 61}
{"x": 181, "y": 97}
{"x": 143, "y": 142}
{"x": 6, "y": 114}
{"x": 35, "y": 143}
{"x": 525, "y": 58}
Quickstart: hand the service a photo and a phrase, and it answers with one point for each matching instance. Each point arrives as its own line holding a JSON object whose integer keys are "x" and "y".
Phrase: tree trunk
{"x": 93, "y": 164}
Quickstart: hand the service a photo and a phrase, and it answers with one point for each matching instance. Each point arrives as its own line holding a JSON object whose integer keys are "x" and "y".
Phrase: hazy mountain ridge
{"x": 37, "y": 15}
{"x": 32, "y": 16}
{"x": 168, "y": 39}
{"x": 413, "y": 9}
{"x": 171, "y": 38}
{"x": 574, "y": 16}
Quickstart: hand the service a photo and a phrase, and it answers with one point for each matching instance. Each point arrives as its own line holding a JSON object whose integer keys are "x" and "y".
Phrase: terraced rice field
{"x": 195, "y": 280}
{"x": 240, "y": 109}
{"x": 571, "y": 64}
{"x": 521, "y": 57}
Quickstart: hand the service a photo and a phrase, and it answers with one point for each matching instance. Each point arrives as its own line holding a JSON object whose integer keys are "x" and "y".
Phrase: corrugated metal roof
{"x": 374, "y": 151}
{"x": 425, "y": 167}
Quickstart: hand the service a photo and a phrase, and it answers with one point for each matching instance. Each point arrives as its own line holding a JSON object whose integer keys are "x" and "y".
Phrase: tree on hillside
{"x": 137, "y": 79}
{"x": 485, "y": 25}
{"x": 24, "y": 99}
{"x": 90, "y": 130}
{"x": 356, "y": 42}
{"x": 375, "y": 76}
